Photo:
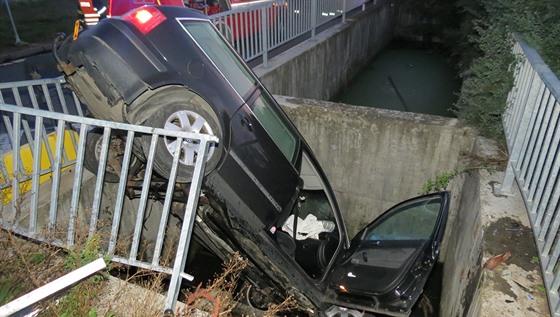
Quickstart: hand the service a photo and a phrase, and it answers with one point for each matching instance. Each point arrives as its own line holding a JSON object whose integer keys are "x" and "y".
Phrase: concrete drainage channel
{"x": 375, "y": 158}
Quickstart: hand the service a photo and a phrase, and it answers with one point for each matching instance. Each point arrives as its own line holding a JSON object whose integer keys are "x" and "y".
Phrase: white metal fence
{"x": 532, "y": 131}
{"x": 46, "y": 194}
{"x": 256, "y": 29}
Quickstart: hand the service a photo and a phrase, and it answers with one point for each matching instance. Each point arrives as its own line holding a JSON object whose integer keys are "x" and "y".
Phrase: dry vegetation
{"x": 27, "y": 265}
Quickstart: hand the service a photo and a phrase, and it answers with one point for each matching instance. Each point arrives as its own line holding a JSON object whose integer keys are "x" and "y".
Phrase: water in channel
{"x": 404, "y": 79}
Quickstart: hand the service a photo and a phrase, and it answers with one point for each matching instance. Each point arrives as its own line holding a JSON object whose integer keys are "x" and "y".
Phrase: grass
{"x": 27, "y": 265}
{"x": 37, "y": 22}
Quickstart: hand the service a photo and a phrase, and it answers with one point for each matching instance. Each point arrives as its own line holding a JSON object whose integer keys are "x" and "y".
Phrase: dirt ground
{"x": 514, "y": 287}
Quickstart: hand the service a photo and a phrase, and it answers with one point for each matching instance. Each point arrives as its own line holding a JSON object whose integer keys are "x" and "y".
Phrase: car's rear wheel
{"x": 94, "y": 143}
{"x": 181, "y": 110}
{"x": 255, "y": 298}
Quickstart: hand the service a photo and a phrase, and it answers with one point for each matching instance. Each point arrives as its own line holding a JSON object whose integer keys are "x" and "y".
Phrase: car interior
{"x": 310, "y": 233}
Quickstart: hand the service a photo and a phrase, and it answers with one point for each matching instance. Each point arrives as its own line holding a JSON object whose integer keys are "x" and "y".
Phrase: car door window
{"x": 393, "y": 256}
{"x": 278, "y": 130}
{"x": 411, "y": 222}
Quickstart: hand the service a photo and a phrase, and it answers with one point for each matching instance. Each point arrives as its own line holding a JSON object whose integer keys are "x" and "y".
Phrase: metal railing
{"x": 255, "y": 29}
{"x": 70, "y": 202}
{"x": 532, "y": 132}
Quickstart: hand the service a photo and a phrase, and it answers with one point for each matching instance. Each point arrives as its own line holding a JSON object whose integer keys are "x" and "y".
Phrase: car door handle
{"x": 435, "y": 250}
{"x": 364, "y": 256}
{"x": 245, "y": 123}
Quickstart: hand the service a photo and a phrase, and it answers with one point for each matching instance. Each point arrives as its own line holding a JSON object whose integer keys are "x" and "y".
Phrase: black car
{"x": 169, "y": 67}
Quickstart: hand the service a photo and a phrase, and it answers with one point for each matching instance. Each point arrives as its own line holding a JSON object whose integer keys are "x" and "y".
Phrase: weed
{"x": 28, "y": 265}
{"x": 442, "y": 179}
{"x": 81, "y": 299}
{"x": 220, "y": 297}
{"x": 25, "y": 266}
{"x": 440, "y": 182}
{"x": 90, "y": 252}
{"x": 288, "y": 304}
{"x": 540, "y": 288}
{"x": 8, "y": 289}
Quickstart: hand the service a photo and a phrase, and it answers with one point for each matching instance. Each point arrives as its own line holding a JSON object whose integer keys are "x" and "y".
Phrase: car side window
{"x": 208, "y": 38}
{"x": 414, "y": 221}
{"x": 275, "y": 127}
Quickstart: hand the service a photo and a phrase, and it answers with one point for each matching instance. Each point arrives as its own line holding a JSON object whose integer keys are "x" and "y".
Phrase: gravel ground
{"x": 514, "y": 287}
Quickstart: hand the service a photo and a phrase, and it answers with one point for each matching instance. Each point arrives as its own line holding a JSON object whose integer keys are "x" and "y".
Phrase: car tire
{"x": 181, "y": 110}
{"x": 94, "y": 142}
{"x": 254, "y": 298}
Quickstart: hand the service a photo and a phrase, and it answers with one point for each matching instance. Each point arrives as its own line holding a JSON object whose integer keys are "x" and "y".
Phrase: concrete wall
{"x": 322, "y": 67}
{"x": 462, "y": 261}
{"x": 375, "y": 158}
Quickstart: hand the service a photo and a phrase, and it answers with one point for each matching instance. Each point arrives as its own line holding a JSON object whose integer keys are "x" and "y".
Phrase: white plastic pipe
{"x": 52, "y": 288}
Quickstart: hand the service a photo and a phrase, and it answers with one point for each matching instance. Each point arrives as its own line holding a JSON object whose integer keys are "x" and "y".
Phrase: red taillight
{"x": 145, "y": 19}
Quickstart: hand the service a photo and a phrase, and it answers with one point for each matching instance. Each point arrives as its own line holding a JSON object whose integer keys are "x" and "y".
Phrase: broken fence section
{"x": 48, "y": 195}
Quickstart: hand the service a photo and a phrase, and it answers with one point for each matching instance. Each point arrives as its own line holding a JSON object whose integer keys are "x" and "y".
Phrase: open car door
{"x": 389, "y": 261}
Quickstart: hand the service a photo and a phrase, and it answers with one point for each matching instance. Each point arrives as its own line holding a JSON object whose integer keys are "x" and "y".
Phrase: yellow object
{"x": 76, "y": 30}
{"x": 26, "y": 156}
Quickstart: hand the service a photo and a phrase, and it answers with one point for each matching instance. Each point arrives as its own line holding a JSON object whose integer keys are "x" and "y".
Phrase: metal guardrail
{"x": 50, "y": 210}
{"x": 532, "y": 129}
{"x": 255, "y": 29}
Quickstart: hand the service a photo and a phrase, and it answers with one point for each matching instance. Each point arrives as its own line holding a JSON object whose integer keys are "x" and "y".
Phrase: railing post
{"x": 264, "y": 35}
{"x": 507, "y": 182}
{"x": 314, "y": 13}
{"x": 16, "y": 174}
{"x": 16, "y": 35}
{"x": 343, "y": 11}
{"x": 187, "y": 228}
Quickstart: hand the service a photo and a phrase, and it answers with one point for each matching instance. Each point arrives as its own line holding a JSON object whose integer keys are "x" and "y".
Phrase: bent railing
{"x": 532, "y": 131}
{"x": 48, "y": 195}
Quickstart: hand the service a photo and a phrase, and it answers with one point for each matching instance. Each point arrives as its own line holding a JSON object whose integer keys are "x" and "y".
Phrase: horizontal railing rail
{"x": 72, "y": 202}
{"x": 532, "y": 129}
{"x": 46, "y": 94}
